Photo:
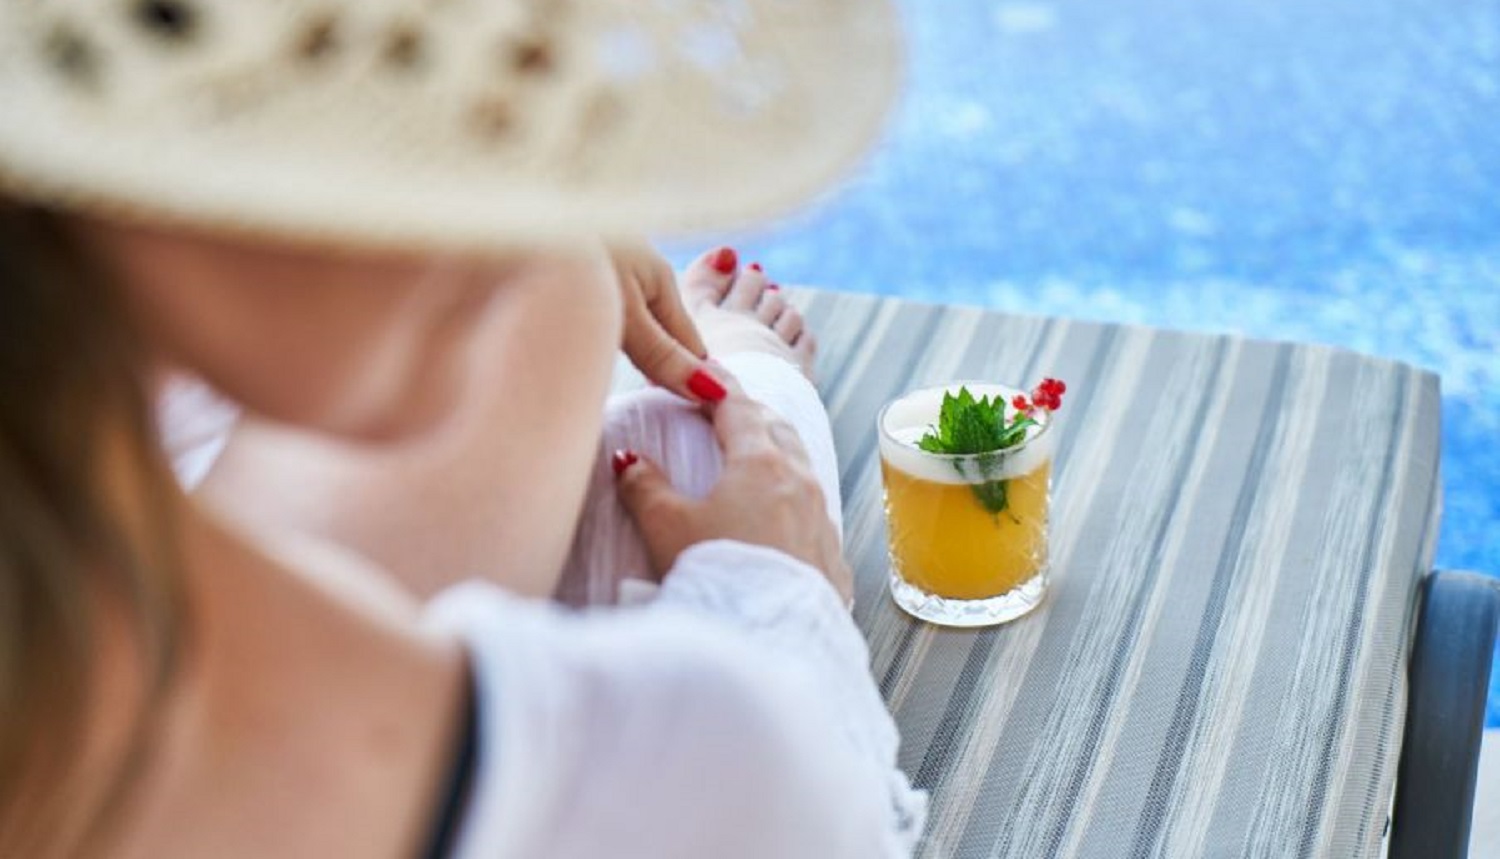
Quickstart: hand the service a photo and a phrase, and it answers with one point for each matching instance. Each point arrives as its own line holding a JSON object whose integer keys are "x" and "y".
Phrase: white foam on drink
{"x": 906, "y": 420}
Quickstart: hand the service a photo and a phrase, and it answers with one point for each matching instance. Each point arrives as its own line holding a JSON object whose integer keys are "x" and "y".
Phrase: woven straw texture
{"x": 443, "y": 123}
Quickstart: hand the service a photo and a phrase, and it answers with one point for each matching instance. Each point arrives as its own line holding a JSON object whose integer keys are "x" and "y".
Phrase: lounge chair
{"x": 1240, "y": 606}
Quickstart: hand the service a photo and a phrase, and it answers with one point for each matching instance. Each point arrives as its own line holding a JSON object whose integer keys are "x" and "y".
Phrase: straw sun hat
{"x": 438, "y": 123}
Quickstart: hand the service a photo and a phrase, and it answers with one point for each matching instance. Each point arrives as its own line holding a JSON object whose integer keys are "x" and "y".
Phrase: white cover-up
{"x": 729, "y": 714}
{"x": 733, "y": 716}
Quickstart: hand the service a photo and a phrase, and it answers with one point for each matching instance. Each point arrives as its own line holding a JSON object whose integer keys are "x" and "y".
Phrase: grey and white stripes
{"x": 1238, "y": 530}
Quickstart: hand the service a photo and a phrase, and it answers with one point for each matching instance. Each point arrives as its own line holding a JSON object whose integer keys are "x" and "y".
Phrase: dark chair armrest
{"x": 1449, "y": 682}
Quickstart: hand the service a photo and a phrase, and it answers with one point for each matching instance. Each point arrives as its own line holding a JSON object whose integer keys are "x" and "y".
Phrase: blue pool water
{"x": 1325, "y": 171}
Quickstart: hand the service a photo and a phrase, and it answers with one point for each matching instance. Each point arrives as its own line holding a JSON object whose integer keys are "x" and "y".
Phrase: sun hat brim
{"x": 666, "y": 117}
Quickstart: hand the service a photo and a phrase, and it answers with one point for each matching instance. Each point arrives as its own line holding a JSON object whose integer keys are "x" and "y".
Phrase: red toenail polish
{"x": 773, "y": 286}
{"x": 705, "y": 386}
{"x": 622, "y": 460}
{"x": 755, "y": 266}
{"x": 725, "y": 260}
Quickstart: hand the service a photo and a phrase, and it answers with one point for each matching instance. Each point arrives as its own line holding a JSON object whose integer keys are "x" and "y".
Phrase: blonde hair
{"x": 84, "y": 529}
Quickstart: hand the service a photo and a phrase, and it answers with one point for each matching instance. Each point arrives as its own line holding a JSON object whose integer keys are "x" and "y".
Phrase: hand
{"x": 766, "y": 495}
{"x": 660, "y": 338}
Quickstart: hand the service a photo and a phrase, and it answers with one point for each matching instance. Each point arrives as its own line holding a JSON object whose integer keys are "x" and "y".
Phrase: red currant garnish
{"x": 1020, "y": 403}
{"x": 1045, "y": 398}
{"x": 1048, "y": 394}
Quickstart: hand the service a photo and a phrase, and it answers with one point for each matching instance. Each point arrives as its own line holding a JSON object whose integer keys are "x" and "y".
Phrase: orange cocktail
{"x": 968, "y": 532}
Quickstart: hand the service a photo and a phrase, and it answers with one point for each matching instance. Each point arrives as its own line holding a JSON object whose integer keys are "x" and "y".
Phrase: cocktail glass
{"x": 968, "y": 532}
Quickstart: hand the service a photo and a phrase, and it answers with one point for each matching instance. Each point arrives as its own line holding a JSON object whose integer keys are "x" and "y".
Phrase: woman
{"x": 459, "y": 502}
{"x": 172, "y": 683}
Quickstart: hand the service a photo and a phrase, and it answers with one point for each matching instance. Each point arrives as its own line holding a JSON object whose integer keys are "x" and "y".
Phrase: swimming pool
{"x": 1326, "y": 172}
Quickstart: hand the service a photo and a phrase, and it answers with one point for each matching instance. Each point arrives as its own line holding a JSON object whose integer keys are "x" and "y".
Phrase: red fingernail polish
{"x": 704, "y": 385}
{"x": 622, "y": 460}
{"x": 725, "y": 260}
{"x": 755, "y": 266}
{"x": 773, "y": 286}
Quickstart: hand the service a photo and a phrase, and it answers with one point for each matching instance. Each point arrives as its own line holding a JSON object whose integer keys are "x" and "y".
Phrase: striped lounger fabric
{"x": 1239, "y": 528}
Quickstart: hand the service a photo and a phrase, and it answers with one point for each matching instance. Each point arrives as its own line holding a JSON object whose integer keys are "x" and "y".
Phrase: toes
{"x": 805, "y": 352}
{"x": 745, "y": 292}
{"x": 789, "y": 325}
{"x": 806, "y": 347}
{"x": 708, "y": 277}
{"x": 771, "y": 306}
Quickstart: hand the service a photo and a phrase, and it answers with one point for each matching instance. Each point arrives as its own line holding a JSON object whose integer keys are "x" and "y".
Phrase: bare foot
{"x": 743, "y": 311}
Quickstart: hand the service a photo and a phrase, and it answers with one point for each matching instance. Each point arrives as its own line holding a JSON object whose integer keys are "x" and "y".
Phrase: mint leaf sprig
{"x": 968, "y": 426}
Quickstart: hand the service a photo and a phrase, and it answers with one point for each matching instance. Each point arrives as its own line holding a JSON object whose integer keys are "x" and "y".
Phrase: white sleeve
{"x": 735, "y": 716}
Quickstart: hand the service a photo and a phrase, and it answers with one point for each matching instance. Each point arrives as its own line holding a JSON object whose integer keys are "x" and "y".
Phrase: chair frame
{"x": 1449, "y": 685}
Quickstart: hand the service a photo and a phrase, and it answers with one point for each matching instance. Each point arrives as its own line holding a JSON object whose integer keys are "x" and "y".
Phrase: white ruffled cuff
{"x": 789, "y": 607}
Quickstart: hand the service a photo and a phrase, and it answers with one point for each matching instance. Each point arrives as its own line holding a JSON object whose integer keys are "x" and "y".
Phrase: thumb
{"x": 654, "y": 504}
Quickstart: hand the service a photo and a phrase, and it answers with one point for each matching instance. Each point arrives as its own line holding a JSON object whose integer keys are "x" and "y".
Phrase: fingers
{"x": 657, "y": 354}
{"x": 658, "y": 510}
{"x": 644, "y": 489}
{"x": 660, "y": 338}
{"x": 645, "y": 492}
{"x": 664, "y": 302}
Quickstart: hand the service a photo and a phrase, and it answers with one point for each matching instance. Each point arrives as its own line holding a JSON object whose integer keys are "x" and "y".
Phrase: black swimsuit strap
{"x": 460, "y": 779}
